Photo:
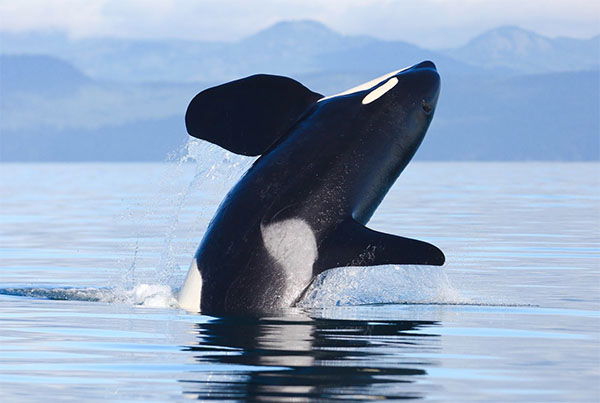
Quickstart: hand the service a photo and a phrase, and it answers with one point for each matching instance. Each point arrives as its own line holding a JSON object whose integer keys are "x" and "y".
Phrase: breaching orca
{"x": 326, "y": 163}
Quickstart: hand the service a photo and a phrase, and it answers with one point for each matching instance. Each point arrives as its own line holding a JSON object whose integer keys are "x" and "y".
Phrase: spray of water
{"x": 146, "y": 295}
{"x": 213, "y": 170}
{"x": 381, "y": 285}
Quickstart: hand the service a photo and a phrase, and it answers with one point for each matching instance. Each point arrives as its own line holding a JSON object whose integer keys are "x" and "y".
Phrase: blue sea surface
{"x": 92, "y": 255}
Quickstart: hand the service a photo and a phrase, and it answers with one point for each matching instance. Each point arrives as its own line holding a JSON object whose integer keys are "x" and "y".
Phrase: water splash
{"x": 341, "y": 287}
{"x": 381, "y": 285}
{"x": 212, "y": 170}
{"x": 145, "y": 295}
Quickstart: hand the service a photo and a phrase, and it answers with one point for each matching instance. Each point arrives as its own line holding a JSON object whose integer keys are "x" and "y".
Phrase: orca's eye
{"x": 426, "y": 107}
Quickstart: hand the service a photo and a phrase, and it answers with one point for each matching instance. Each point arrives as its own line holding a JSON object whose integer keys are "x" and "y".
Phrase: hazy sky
{"x": 430, "y": 23}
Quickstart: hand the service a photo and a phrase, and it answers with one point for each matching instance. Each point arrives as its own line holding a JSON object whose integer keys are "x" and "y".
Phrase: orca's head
{"x": 412, "y": 91}
{"x": 394, "y": 109}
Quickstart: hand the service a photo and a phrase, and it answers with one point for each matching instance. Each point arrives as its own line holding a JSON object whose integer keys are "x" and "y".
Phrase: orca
{"x": 325, "y": 165}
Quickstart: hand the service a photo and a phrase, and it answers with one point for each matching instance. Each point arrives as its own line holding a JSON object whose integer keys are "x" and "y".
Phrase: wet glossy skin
{"x": 337, "y": 163}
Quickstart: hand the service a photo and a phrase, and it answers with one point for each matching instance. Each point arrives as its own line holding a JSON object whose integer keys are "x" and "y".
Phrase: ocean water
{"x": 92, "y": 255}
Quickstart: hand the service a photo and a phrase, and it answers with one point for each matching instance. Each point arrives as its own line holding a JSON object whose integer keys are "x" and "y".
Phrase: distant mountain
{"x": 303, "y": 37}
{"x": 45, "y": 94}
{"x": 549, "y": 117}
{"x": 113, "y": 99}
{"x": 38, "y": 73}
{"x": 302, "y": 47}
{"x": 128, "y": 60}
{"x": 519, "y": 50}
{"x": 287, "y": 48}
{"x": 536, "y": 117}
{"x": 291, "y": 48}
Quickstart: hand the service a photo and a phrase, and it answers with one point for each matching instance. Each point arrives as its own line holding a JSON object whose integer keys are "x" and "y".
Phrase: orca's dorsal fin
{"x": 353, "y": 244}
{"x": 248, "y": 116}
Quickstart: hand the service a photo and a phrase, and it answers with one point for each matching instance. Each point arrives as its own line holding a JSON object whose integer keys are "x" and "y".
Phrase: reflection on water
{"x": 301, "y": 357}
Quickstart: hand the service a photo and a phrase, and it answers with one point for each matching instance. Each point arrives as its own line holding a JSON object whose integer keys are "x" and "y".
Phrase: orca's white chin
{"x": 189, "y": 295}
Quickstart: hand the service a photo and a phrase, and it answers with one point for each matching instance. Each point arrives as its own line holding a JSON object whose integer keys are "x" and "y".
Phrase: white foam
{"x": 342, "y": 287}
{"x": 146, "y": 295}
{"x": 151, "y": 296}
{"x": 381, "y": 285}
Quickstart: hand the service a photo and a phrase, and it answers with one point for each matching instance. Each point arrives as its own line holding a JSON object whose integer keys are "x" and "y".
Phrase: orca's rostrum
{"x": 326, "y": 163}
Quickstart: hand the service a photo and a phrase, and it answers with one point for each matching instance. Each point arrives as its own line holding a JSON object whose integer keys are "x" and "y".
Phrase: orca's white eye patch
{"x": 379, "y": 91}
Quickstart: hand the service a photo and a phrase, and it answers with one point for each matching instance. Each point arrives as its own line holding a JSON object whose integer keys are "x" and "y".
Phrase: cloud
{"x": 432, "y": 23}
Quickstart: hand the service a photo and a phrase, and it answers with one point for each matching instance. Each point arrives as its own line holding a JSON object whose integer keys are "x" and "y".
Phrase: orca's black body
{"x": 302, "y": 207}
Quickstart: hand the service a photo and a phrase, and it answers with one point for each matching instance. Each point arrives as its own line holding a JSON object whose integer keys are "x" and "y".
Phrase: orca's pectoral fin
{"x": 353, "y": 244}
{"x": 248, "y": 116}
